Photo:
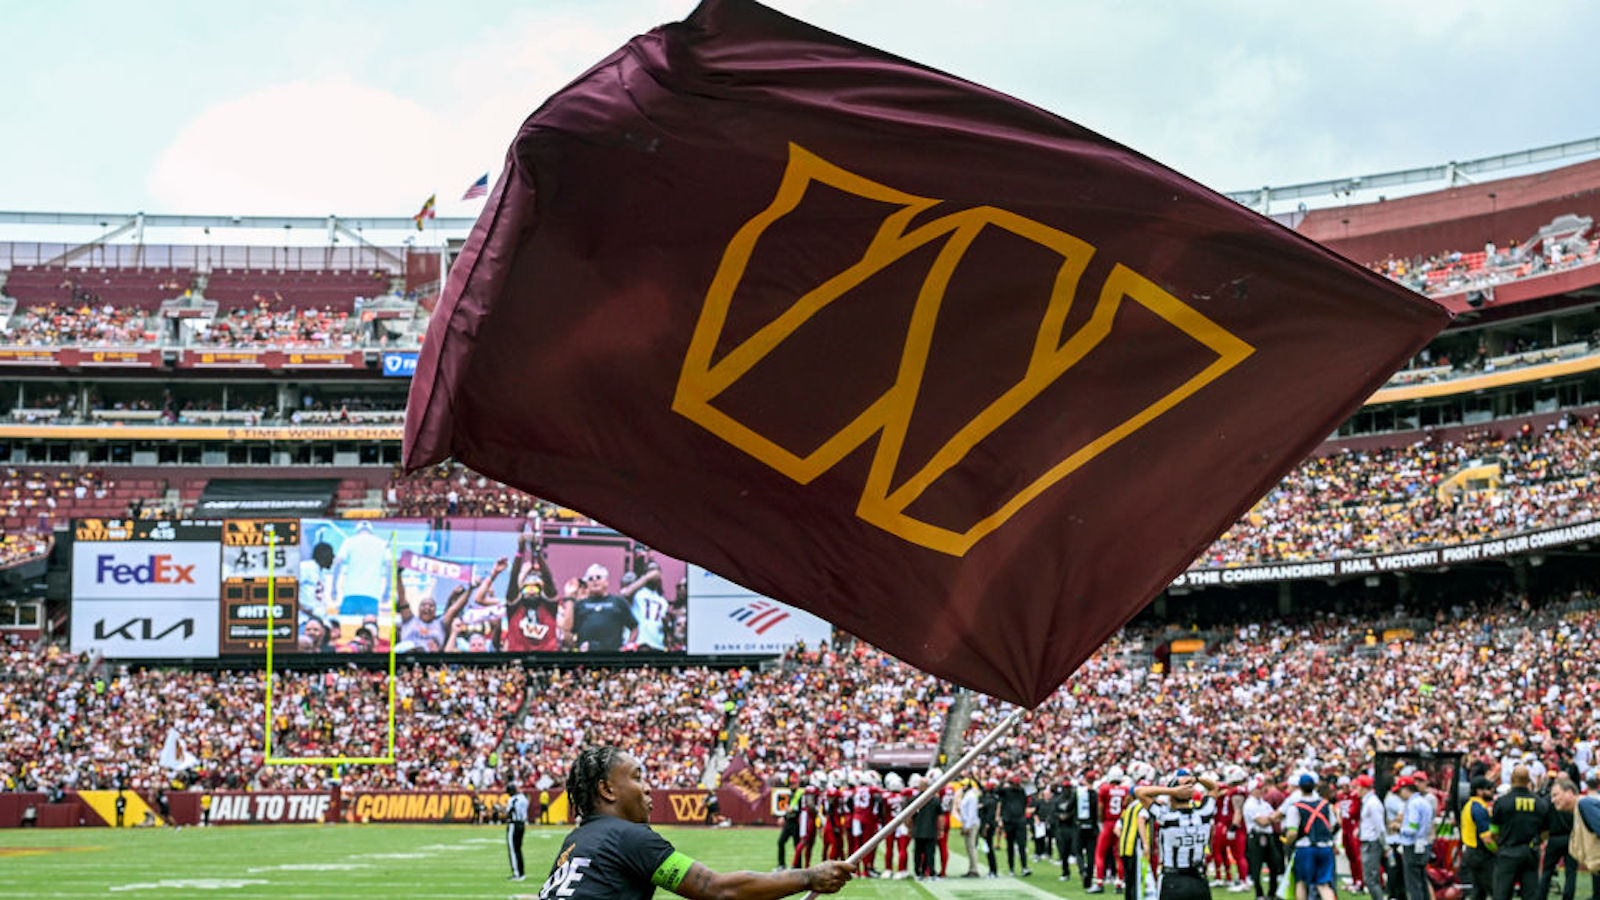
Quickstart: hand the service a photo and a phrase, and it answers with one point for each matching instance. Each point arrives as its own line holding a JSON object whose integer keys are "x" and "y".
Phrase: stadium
{"x": 250, "y": 650}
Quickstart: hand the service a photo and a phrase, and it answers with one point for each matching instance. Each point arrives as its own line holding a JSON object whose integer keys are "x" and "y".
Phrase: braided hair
{"x": 583, "y": 782}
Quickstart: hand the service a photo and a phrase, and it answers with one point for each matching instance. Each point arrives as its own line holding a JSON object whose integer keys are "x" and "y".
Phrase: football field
{"x": 343, "y": 862}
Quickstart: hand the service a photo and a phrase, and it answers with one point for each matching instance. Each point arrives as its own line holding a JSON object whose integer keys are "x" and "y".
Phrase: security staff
{"x": 516, "y": 824}
{"x": 1185, "y": 830}
{"x": 1520, "y": 820}
{"x": 614, "y": 854}
{"x": 1130, "y": 845}
{"x": 1477, "y": 840}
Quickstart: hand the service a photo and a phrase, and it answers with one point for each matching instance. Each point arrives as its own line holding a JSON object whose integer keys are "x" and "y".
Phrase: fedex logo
{"x": 146, "y": 570}
{"x": 160, "y": 569}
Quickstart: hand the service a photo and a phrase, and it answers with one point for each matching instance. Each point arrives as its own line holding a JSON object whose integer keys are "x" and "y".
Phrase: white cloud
{"x": 305, "y": 148}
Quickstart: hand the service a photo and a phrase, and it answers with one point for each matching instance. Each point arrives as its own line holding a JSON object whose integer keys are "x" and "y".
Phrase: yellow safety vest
{"x": 1469, "y": 828}
{"x": 1128, "y": 844}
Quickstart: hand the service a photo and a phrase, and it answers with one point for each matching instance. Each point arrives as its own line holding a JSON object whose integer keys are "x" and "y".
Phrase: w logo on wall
{"x": 688, "y": 807}
{"x": 759, "y": 615}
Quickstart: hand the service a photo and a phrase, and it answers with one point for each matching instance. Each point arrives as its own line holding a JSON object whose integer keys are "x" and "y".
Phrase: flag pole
{"x": 933, "y": 789}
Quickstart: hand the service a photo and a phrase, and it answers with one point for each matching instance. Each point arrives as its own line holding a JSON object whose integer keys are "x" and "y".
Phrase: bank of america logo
{"x": 759, "y": 615}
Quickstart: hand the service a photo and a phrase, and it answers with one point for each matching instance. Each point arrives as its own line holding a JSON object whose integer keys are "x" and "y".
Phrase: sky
{"x": 366, "y": 108}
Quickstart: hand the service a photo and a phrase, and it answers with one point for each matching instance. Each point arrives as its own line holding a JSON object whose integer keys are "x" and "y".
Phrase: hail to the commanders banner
{"x": 962, "y": 377}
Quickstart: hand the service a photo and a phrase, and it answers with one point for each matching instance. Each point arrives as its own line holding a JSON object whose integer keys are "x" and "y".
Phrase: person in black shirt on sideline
{"x": 1563, "y": 800}
{"x": 988, "y": 806}
{"x": 1520, "y": 818}
{"x": 1013, "y": 813}
{"x": 613, "y": 853}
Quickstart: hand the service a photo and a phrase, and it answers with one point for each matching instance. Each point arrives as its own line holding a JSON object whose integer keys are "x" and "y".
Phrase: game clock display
{"x": 260, "y": 562}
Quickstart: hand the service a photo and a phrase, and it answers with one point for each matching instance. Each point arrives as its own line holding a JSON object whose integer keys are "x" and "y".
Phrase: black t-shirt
{"x": 1520, "y": 816}
{"x": 987, "y": 803}
{"x": 602, "y": 621}
{"x": 607, "y": 857}
{"x": 1013, "y": 803}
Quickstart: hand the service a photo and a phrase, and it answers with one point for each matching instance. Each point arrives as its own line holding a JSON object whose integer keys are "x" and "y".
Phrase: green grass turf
{"x": 355, "y": 862}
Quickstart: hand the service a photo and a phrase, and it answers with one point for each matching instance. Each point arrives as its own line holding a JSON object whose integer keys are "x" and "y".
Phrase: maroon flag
{"x": 964, "y": 378}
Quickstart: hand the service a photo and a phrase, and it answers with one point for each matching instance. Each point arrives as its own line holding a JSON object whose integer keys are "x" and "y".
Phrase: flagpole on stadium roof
{"x": 933, "y": 789}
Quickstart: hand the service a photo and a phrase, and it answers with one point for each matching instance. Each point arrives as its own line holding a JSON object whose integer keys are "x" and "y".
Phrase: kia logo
{"x": 146, "y": 630}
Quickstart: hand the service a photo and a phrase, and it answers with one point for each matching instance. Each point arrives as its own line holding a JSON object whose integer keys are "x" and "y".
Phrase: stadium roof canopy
{"x": 73, "y": 228}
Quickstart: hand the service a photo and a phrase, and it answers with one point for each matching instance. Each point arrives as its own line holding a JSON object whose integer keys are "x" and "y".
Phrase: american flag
{"x": 480, "y": 188}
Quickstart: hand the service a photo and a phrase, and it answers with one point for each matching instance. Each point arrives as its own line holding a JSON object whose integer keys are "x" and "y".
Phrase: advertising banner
{"x": 320, "y": 359}
{"x": 269, "y": 807}
{"x": 146, "y": 569}
{"x": 145, "y": 628}
{"x": 419, "y": 806}
{"x": 683, "y": 806}
{"x": 111, "y": 357}
{"x": 266, "y": 496}
{"x": 145, "y": 589}
{"x": 727, "y": 618}
{"x": 28, "y": 356}
{"x": 399, "y": 365}
{"x": 223, "y": 359}
{"x": 1429, "y": 558}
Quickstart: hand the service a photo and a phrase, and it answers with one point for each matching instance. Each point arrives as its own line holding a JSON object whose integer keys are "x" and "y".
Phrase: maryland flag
{"x": 426, "y": 212}
{"x": 962, "y": 377}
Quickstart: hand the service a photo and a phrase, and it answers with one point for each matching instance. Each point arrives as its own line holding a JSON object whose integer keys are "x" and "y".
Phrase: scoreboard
{"x": 260, "y": 567}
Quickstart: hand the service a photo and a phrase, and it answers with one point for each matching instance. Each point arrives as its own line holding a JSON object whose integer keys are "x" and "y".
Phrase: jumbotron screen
{"x": 200, "y": 588}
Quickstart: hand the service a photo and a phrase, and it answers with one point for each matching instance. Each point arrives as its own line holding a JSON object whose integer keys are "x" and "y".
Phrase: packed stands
{"x": 282, "y": 327}
{"x": 1346, "y": 503}
{"x": 75, "y": 324}
{"x": 1351, "y": 503}
{"x": 1455, "y": 271}
{"x": 1486, "y": 679}
{"x": 1503, "y": 665}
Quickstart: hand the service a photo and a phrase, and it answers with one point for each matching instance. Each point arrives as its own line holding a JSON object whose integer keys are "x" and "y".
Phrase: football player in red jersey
{"x": 896, "y": 847}
{"x": 947, "y": 804}
{"x": 809, "y": 801}
{"x": 1114, "y": 793}
{"x": 833, "y": 818}
{"x": 1230, "y": 805}
{"x": 865, "y": 798}
{"x": 1350, "y": 826}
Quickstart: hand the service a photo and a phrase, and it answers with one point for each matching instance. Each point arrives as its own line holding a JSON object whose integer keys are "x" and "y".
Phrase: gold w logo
{"x": 688, "y": 807}
{"x": 884, "y": 502}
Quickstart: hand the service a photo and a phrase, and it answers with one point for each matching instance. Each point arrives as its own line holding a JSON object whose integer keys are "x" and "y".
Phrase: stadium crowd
{"x": 1483, "y": 679}
{"x": 291, "y": 327}
{"x": 1454, "y": 271}
{"x": 54, "y": 325}
{"x": 1358, "y": 502}
{"x": 1345, "y": 503}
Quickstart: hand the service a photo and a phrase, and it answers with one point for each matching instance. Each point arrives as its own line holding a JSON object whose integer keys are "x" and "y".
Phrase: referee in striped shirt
{"x": 516, "y": 824}
{"x": 1184, "y": 832}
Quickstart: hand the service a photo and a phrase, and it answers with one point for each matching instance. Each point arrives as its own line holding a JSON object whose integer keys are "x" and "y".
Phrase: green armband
{"x": 672, "y": 870}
